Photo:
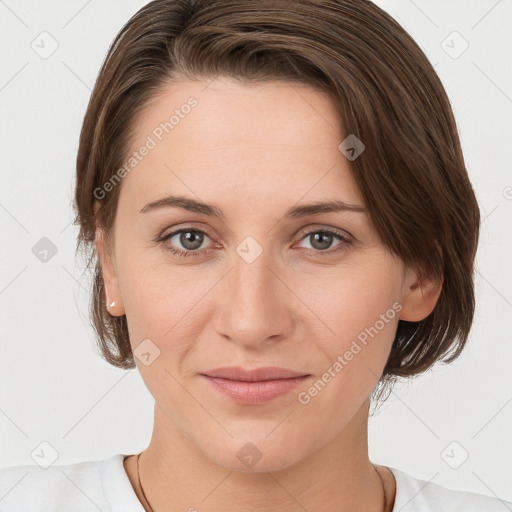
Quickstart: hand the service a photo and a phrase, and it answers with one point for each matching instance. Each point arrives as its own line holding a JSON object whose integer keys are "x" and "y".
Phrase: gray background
{"x": 55, "y": 389}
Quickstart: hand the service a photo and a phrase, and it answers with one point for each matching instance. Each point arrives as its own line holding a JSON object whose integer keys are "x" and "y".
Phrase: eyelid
{"x": 322, "y": 227}
{"x": 176, "y": 229}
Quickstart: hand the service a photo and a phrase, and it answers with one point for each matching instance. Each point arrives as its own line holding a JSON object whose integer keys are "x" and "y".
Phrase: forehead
{"x": 210, "y": 137}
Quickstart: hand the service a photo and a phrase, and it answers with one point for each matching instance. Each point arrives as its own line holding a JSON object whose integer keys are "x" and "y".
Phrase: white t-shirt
{"x": 103, "y": 485}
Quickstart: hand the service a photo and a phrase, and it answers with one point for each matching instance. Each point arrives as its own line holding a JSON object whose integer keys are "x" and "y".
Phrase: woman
{"x": 284, "y": 225}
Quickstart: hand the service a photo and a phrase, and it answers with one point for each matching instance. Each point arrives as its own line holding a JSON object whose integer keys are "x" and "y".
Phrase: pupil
{"x": 187, "y": 240}
{"x": 325, "y": 240}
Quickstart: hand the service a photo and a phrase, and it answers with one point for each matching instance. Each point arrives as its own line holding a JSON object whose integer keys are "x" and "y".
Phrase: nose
{"x": 255, "y": 306}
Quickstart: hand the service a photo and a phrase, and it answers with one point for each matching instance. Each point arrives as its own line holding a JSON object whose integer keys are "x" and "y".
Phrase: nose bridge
{"x": 253, "y": 306}
{"x": 252, "y": 279}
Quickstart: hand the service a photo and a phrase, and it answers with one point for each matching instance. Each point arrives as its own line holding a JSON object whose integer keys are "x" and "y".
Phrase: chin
{"x": 258, "y": 456}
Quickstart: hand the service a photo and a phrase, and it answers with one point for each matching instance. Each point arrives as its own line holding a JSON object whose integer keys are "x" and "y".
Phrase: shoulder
{"x": 415, "y": 494}
{"x": 81, "y": 487}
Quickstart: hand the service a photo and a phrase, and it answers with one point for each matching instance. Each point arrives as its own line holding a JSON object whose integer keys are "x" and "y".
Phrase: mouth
{"x": 239, "y": 374}
{"x": 252, "y": 387}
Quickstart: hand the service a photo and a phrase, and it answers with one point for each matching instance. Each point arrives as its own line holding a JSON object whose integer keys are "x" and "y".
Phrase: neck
{"x": 337, "y": 477}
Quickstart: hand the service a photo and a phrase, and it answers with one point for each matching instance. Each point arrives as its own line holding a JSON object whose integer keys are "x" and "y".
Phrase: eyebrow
{"x": 295, "y": 212}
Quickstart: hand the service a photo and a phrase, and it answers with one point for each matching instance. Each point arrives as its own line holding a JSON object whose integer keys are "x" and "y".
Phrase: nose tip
{"x": 253, "y": 307}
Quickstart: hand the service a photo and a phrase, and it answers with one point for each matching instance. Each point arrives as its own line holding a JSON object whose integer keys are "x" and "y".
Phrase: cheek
{"x": 162, "y": 305}
{"x": 359, "y": 310}
{"x": 362, "y": 315}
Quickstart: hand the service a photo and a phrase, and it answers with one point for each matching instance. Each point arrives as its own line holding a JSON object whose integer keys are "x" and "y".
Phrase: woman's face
{"x": 258, "y": 287}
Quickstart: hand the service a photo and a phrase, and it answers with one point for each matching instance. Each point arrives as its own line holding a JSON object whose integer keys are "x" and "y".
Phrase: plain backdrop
{"x": 451, "y": 425}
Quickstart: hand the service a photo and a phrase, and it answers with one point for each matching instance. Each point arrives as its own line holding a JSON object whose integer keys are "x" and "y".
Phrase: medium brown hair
{"x": 412, "y": 174}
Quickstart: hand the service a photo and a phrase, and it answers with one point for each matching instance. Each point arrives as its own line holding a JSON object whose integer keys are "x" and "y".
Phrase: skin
{"x": 255, "y": 151}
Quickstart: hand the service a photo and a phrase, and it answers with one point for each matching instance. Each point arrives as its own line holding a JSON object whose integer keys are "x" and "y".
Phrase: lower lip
{"x": 255, "y": 392}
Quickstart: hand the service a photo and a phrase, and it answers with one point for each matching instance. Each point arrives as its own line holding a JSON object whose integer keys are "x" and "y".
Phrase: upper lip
{"x": 255, "y": 375}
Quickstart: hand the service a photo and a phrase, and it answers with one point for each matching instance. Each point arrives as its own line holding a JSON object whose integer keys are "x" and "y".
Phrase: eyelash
{"x": 345, "y": 242}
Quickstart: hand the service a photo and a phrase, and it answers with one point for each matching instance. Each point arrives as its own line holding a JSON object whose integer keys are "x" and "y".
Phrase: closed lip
{"x": 240, "y": 374}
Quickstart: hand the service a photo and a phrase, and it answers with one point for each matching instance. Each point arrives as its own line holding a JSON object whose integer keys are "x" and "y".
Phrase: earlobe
{"x": 113, "y": 300}
{"x": 420, "y": 298}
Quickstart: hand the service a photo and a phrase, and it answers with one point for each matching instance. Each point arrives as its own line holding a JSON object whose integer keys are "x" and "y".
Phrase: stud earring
{"x": 112, "y": 304}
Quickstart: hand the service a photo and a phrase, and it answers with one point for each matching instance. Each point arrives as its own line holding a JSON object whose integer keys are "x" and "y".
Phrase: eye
{"x": 190, "y": 239}
{"x": 322, "y": 239}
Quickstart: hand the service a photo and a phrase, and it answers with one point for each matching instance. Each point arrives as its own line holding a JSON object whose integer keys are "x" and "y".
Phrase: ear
{"x": 420, "y": 296}
{"x": 109, "y": 273}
